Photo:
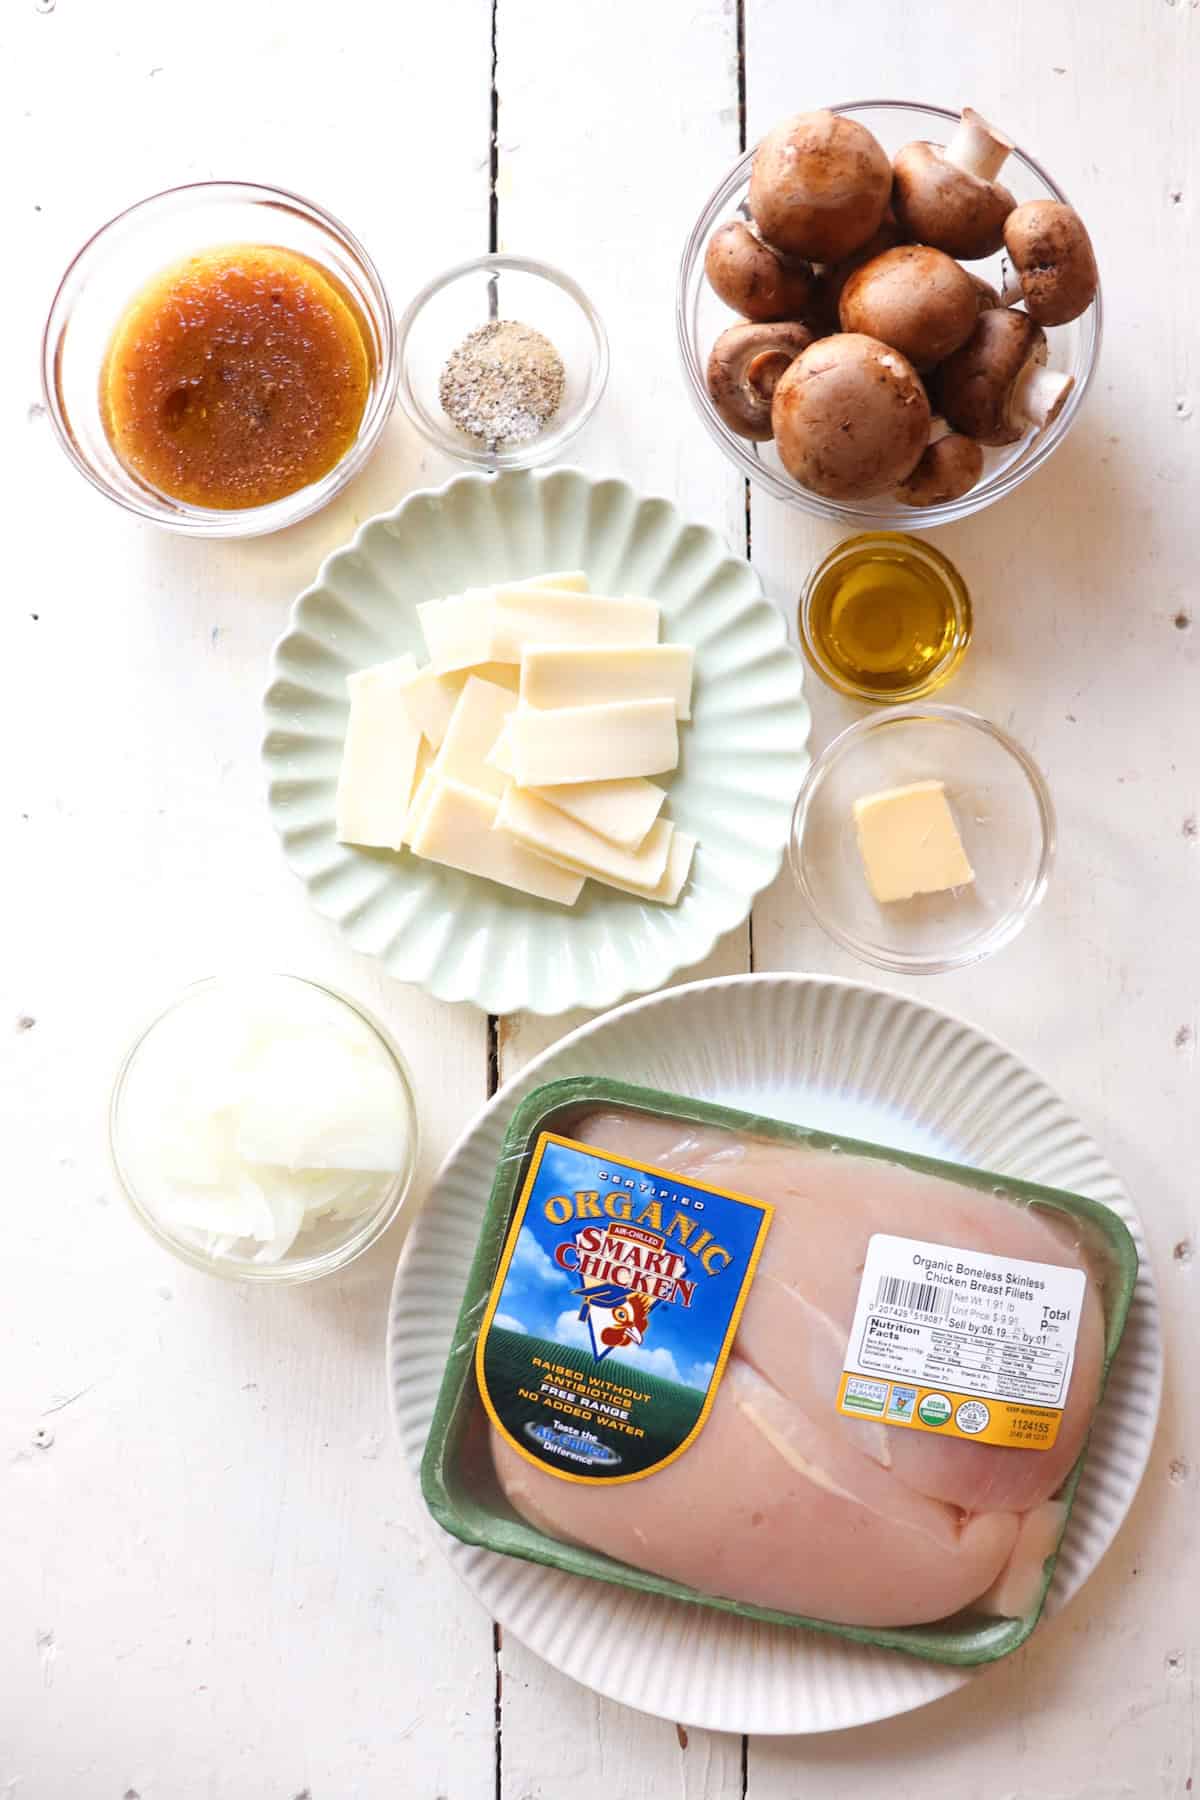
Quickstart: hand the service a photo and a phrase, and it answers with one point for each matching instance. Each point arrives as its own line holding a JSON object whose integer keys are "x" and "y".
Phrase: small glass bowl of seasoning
{"x": 220, "y": 359}
{"x": 885, "y": 617}
{"x": 263, "y": 1128}
{"x": 923, "y": 838}
{"x": 502, "y": 361}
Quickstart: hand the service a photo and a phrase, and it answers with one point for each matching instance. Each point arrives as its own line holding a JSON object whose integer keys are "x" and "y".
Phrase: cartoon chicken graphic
{"x": 614, "y": 1315}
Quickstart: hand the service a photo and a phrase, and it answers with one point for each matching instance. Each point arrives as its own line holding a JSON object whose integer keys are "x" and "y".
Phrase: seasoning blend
{"x": 503, "y": 360}
{"x": 885, "y": 617}
{"x": 503, "y": 384}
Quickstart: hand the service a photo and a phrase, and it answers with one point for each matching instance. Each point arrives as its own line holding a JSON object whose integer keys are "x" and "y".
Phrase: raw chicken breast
{"x": 783, "y": 1502}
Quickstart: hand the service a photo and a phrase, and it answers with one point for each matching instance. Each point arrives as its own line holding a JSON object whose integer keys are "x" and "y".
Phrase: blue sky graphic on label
{"x": 673, "y": 1322}
{"x": 608, "y": 1328}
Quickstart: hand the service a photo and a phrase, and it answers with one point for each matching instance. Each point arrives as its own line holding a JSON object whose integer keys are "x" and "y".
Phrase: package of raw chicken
{"x": 781, "y": 1373}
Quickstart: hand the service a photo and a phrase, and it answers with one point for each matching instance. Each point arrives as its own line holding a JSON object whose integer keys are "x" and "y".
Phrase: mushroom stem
{"x": 938, "y": 429}
{"x": 763, "y": 371}
{"x": 1012, "y": 291}
{"x": 977, "y": 147}
{"x": 1039, "y": 393}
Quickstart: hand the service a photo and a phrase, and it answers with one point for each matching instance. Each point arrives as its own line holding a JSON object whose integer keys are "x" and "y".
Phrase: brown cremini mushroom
{"x": 744, "y": 366}
{"x": 819, "y": 185}
{"x": 754, "y": 279}
{"x": 997, "y": 385}
{"x": 833, "y": 278}
{"x": 948, "y": 195}
{"x": 851, "y": 417}
{"x": 985, "y": 294}
{"x": 914, "y": 298}
{"x": 1053, "y": 261}
{"x": 948, "y": 469}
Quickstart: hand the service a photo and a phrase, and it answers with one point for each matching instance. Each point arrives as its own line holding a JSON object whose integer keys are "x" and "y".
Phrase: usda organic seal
{"x": 934, "y": 1409}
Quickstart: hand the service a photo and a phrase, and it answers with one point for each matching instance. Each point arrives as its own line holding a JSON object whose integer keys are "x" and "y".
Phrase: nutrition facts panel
{"x": 975, "y": 1365}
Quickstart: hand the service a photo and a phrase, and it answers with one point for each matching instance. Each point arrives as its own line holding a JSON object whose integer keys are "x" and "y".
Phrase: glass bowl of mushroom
{"x": 911, "y": 378}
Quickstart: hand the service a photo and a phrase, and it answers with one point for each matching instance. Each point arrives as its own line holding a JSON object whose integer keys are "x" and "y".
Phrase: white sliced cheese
{"x": 622, "y": 811}
{"x": 459, "y": 631}
{"x": 478, "y": 719}
{"x": 396, "y": 673}
{"x": 421, "y": 777}
{"x": 589, "y": 674}
{"x": 679, "y": 863}
{"x": 592, "y": 743}
{"x": 525, "y": 616}
{"x": 379, "y": 758}
{"x": 456, "y": 829}
{"x": 500, "y": 754}
{"x": 574, "y": 580}
{"x": 501, "y": 674}
{"x": 422, "y": 794}
{"x": 430, "y": 699}
{"x": 553, "y": 834}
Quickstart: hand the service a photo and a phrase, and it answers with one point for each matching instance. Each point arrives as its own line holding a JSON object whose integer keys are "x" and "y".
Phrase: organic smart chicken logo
{"x": 612, "y": 1313}
{"x": 618, "y": 1264}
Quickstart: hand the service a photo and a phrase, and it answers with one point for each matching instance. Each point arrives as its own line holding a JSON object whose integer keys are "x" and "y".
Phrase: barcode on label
{"x": 917, "y": 1296}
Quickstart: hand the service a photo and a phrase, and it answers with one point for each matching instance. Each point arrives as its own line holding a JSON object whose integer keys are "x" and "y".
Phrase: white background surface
{"x": 215, "y": 1581}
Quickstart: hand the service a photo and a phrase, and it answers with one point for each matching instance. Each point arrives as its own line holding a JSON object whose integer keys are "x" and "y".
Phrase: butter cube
{"x": 909, "y": 842}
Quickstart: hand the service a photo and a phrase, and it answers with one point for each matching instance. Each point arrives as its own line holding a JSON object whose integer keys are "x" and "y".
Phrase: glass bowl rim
{"x": 286, "y": 1272}
{"x": 953, "y": 582}
{"x": 783, "y": 488}
{"x": 219, "y": 522}
{"x": 540, "y": 449}
{"x": 1006, "y": 928}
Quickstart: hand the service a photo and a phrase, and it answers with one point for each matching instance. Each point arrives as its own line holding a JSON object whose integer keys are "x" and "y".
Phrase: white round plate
{"x": 742, "y": 758}
{"x": 816, "y": 1051}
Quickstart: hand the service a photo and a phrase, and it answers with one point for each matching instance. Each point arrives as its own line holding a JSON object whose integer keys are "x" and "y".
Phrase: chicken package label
{"x": 962, "y": 1343}
{"x": 612, "y": 1314}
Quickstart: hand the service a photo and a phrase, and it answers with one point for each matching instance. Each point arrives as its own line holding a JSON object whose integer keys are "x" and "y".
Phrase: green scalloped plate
{"x": 742, "y": 759}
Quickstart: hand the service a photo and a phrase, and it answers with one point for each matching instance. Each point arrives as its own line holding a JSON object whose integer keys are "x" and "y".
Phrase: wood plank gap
{"x": 493, "y": 1025}
{"x": 498, "y": 1708}
{"x": 741, "y": 110}
{"x": 494, "y": 146}
{"x": 493, "y": 1054}
{"x": 741, "y": 73}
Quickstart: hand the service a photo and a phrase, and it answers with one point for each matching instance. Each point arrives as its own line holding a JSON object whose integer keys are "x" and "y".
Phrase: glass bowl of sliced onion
{"x": 263, "y": 1128}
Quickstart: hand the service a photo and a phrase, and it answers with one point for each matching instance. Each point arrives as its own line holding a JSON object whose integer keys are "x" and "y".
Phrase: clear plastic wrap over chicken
{"x": 782, "y": 1502}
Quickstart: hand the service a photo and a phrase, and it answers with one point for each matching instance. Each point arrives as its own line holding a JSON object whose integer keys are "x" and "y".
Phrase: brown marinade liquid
{"x": 236, "y": 377}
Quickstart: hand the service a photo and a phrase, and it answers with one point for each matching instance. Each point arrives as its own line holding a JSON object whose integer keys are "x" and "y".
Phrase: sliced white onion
{"x": 257, "y": 1108}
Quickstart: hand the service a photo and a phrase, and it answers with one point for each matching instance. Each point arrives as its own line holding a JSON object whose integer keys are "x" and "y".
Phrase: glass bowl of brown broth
{"x": 220, "y": 359}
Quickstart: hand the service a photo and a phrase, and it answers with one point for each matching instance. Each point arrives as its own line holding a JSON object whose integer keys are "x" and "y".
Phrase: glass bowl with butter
{"x": 923, "y": 838}
{"x": 263, "y": 1128}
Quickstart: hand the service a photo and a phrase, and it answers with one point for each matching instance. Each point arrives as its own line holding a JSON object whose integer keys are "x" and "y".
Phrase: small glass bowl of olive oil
{"x": 885, "y": 617}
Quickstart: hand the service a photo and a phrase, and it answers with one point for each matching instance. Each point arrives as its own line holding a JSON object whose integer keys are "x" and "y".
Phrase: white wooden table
{"x": 216, "y": 1580}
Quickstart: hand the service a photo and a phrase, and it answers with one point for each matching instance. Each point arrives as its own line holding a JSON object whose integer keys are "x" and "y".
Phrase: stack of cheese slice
{"x": 520, "y": 752}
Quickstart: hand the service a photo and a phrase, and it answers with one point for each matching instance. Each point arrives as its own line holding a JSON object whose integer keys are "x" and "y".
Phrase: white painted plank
{"x": 1078, "y": 582}
{"x": 612, "y": 120}
{"x": 218, "y": 1583}
{"x": 222, "y": 1590}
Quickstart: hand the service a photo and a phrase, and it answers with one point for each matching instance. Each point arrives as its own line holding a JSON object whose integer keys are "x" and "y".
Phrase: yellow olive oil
{"x": 886, "y": 617}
